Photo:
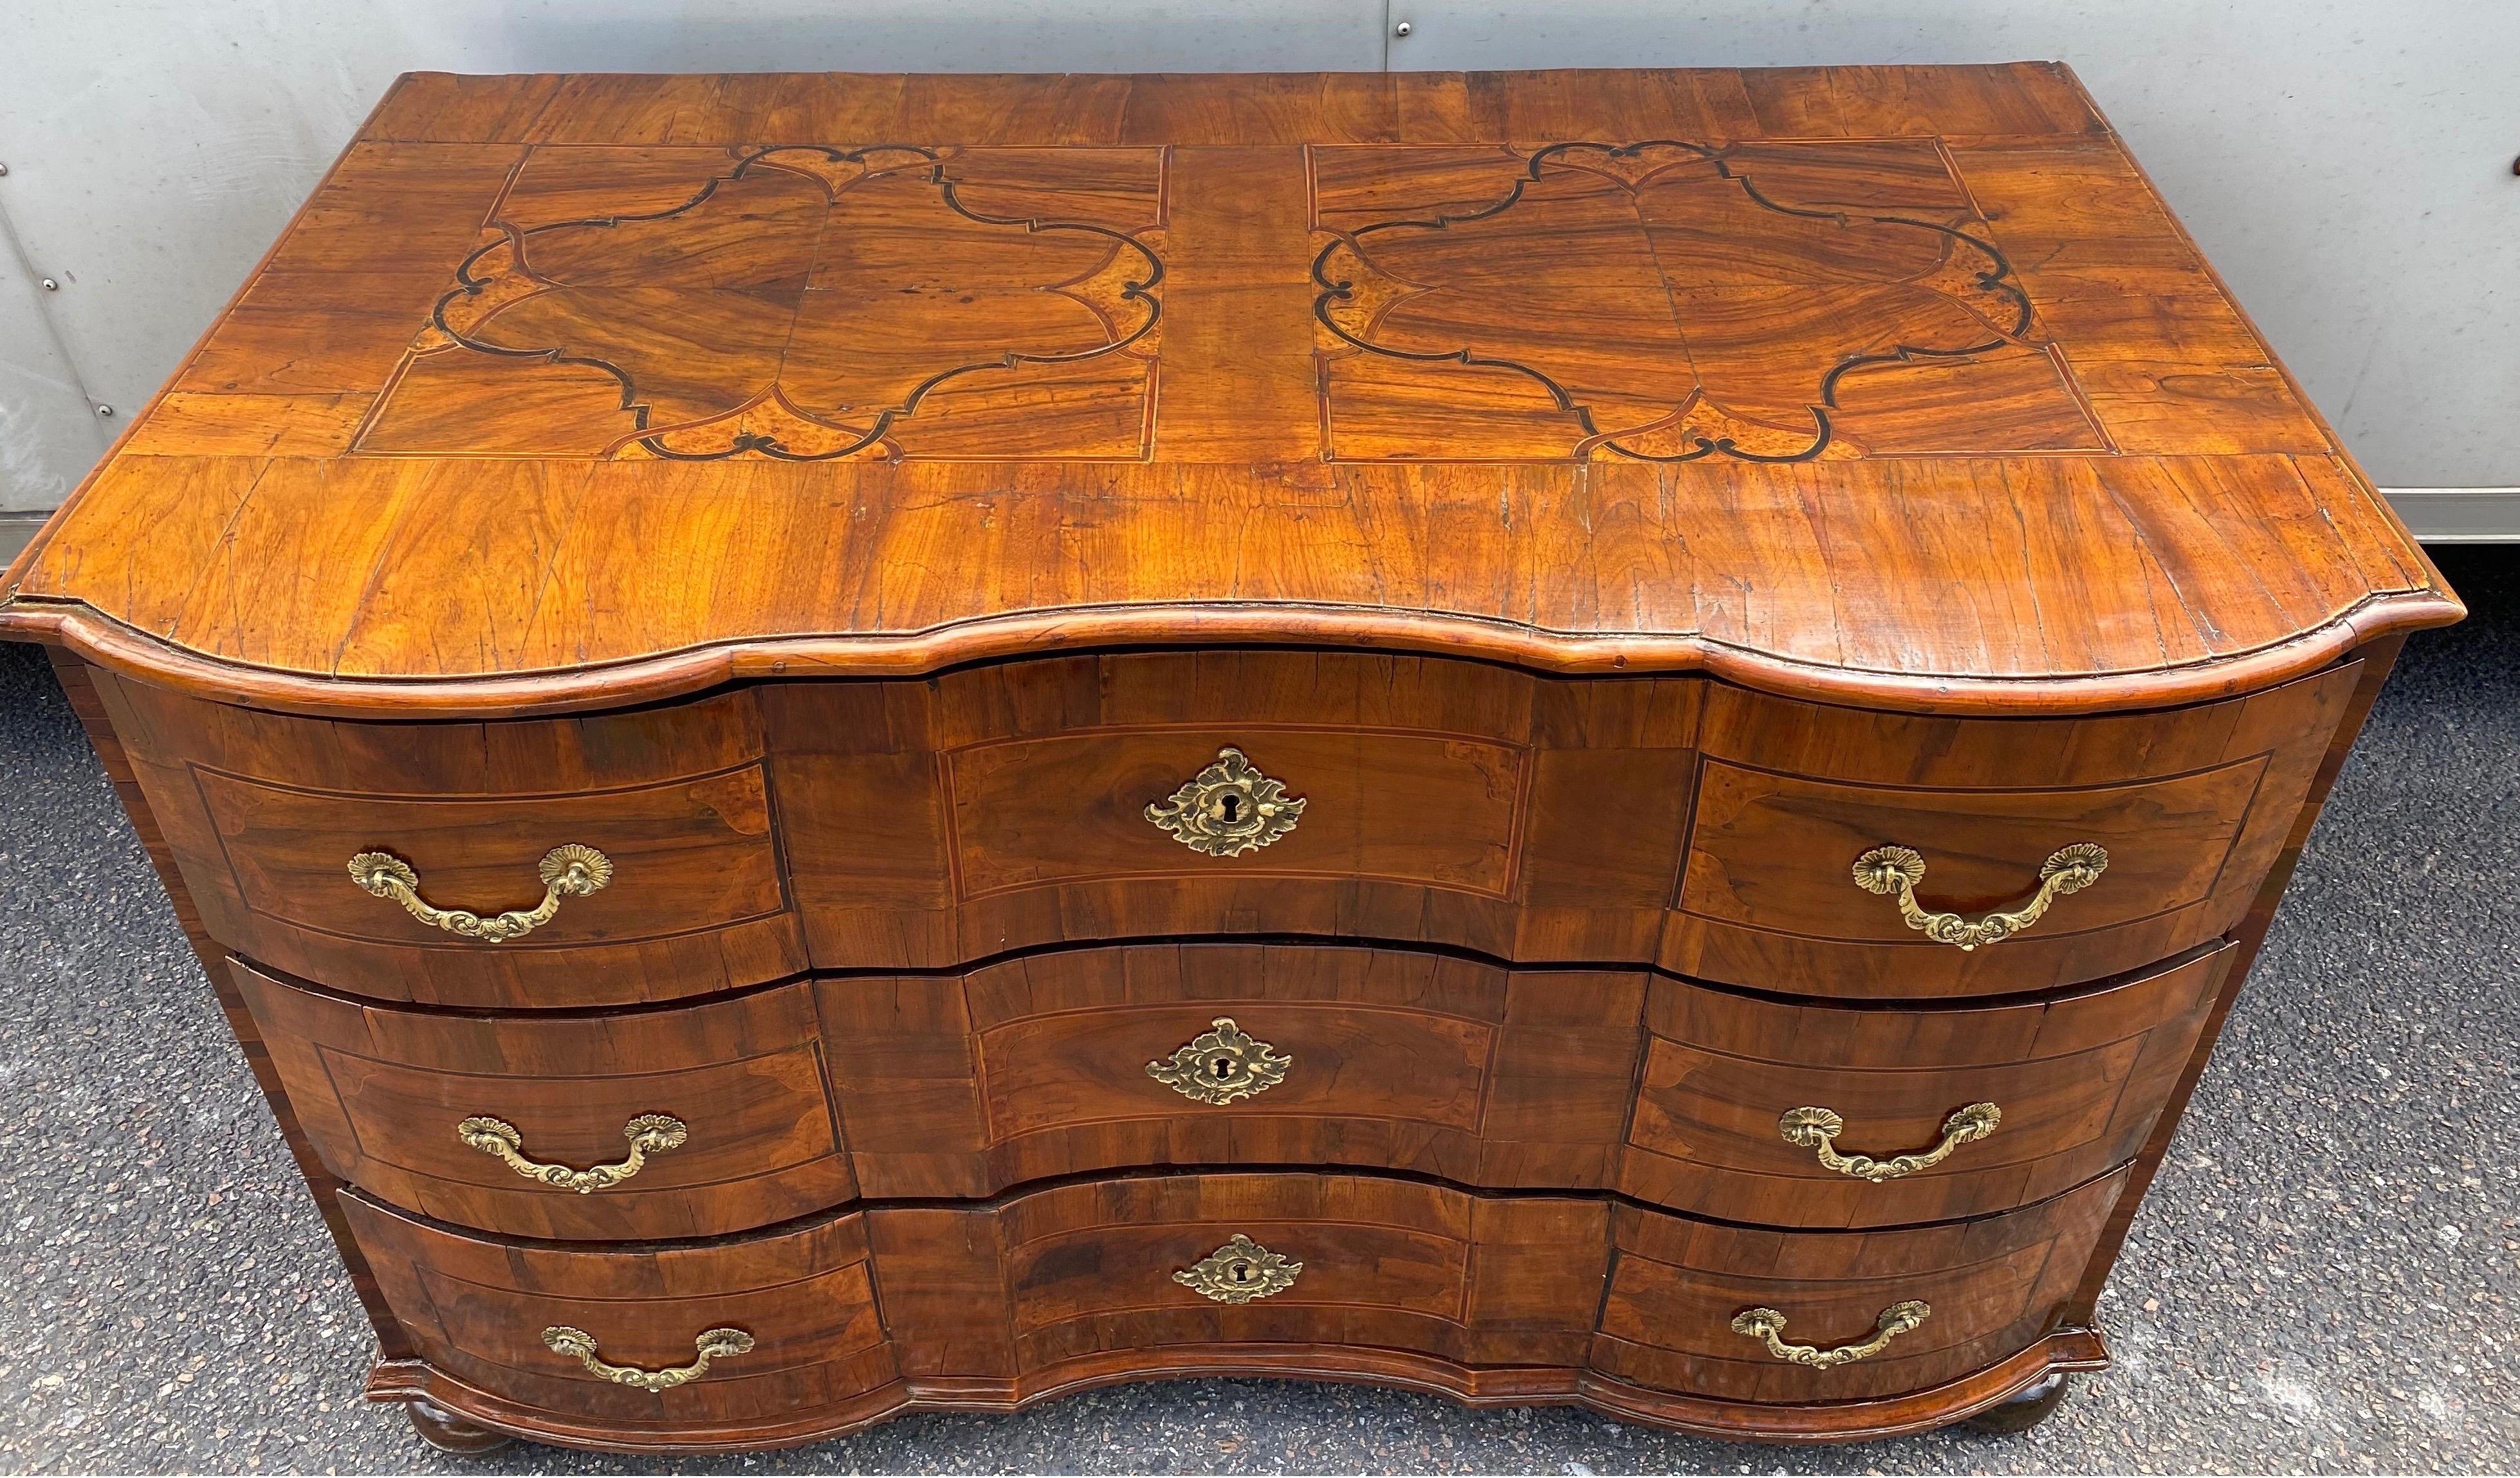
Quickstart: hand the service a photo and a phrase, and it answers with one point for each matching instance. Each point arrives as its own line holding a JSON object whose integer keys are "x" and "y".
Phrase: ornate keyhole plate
{"x": 1239, "y": 1272}
{"x": 1228, "y": 808}
{"x": 1221, "y": 1066}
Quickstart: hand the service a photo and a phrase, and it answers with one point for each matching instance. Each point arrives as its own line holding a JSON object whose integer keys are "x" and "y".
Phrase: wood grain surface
{"x": 1897, "y": 386}
{"x": 1036, "y": 1068}
{"x": 2080, "y": 1080}
{"x": 993, "y": 1303}
{"x": 380, "y": 1093}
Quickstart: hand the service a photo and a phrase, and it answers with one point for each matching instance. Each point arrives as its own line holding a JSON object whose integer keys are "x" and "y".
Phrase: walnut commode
{"x": 847, "y": 744}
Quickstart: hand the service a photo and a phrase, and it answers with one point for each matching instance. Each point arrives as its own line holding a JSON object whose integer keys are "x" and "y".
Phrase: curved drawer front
{"x": 1937, "y": 1115}
{"x": 1178, "y": 794}
{"x": 797, "y": 1340}
{"x": 275, "y": 820}
{"x": 1223, "y": 1054}
{"x": 1133, "y": 1268}
{"x": 2163, "y": 825}
{"x": 691, "y": 1121}
{"x": 1988, "y": 1288}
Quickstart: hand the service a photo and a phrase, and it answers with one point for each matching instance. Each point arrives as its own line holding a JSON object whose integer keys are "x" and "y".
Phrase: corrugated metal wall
{"x": 2348, "y": 165}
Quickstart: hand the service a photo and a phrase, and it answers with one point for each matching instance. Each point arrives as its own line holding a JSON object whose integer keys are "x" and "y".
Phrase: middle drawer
{"x": 795, "y": 1098}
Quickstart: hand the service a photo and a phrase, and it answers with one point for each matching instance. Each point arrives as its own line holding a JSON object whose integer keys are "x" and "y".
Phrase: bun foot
{"x": 2022, "y": 1412}
{"x": 447, "y": 1432}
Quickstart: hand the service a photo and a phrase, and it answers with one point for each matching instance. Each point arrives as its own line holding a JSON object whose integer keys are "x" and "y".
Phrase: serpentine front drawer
{"x": 1816, "y": 1115}
{"x": 687, "y": 1122}
{"x": 1841, "y": 852}
{"x": 574, "y": 861}
{"x": 1522, "y": 1298}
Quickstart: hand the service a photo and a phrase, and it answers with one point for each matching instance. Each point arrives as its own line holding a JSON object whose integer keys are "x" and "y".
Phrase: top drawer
{"x": 433, "y": 862}
{"x": 1999, "y": 855}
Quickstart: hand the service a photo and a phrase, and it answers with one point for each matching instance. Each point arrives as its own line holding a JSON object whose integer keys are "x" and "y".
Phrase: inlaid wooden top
{"x": 1893, "y": 384}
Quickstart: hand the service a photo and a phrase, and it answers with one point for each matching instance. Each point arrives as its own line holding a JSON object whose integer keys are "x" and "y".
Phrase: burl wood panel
{"x": 1452, "y": 802}
{"x": 2192, "y": 806}
{"x": 264, "y": 811}
{"x": 1080, "y": 1272}
{"x": 2079, "y": 1081}
{"x": 380, "y": 1093}
{"x": 1896, "y": 385}
{"x": 1035, "y": 1068}
{"x": 1994, "y": 1285}
{"x": 476, "y": 1309}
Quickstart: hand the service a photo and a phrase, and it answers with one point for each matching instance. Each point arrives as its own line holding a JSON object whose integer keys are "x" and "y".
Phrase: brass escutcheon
{"x": 1239, "y": 1272}
{"x": 1221, "y": 1066}
{"x": 1228, "y": 808}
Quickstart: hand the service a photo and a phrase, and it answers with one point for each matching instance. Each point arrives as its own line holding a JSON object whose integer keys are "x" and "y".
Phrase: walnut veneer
{"x": 845, "y": 744}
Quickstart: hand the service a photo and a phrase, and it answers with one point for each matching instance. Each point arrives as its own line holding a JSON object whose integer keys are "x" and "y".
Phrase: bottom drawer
{"x": 986, "y": 1305}
{"x": 480, "y": 1308}
{"x": 1977, "y": 1291}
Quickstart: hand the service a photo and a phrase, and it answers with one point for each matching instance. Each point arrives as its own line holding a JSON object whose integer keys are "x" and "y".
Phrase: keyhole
{"x": 1229, "y": 807}
{"x": 1221, "y": 1067}
{"x": 1241, "y": 1273}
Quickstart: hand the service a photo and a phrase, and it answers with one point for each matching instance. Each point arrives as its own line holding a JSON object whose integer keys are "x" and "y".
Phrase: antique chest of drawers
{"x": 857, "y": 743}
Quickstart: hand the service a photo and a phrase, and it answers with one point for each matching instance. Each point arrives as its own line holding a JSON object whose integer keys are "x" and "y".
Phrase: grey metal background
{"x": 2347, "y": 165}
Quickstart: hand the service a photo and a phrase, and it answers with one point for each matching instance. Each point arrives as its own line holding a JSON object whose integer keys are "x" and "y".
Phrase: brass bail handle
{"x": 648, "y": 1134}
{"x": 1897, "y": 871}
{"x": 569, "y": 871}
{"x": 712, "y": 1344}
{"x": 1768, "y": 1326}
{"x": 1818, "y": 1129}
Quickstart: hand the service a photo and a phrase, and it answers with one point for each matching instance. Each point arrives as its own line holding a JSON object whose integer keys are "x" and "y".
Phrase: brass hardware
{"x": 648, "y": 1134}
{"x": 1767, "y": 1324}
{"x": 712, "y": 1344}
{"x": 1221, "y": 1066}
{"x": 1239, "y": 1272}
{"x": 566, "y": 871}
{"x": 1815, "y": 1128}
{"x": 1228, "y": 808}
{"x": 1898, "y": 869}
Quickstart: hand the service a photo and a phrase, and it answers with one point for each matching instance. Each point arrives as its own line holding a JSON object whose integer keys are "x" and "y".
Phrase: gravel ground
{"x": 2322, "y": 1280}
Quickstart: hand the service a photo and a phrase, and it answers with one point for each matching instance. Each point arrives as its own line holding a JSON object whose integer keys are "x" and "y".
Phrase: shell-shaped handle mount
{"x": 712, "y": 1344}
{"x": 648, "y": 1134}
{"x": 1818, "y": 1129}
{"x": 1898, "y": 871}
{"x": 1768, "y": 1325}
{"x": 568, "y": 871}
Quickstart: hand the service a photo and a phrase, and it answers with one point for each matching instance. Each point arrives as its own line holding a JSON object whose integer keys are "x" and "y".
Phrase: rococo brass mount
{"x": 1899, "y": 870}
{"x": 1228, "y": 808}
{"x": 1221, "y": 1066}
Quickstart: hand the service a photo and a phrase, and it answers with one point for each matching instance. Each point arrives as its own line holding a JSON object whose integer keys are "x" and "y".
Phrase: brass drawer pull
{"x": 1228, "y": 808}
{"x": 1817, "y": 1128}
{"x": 1767, "y": 1324}
{"x": 1221, "y": 1066}
{"x": 1898, "y": 869}
{"x": 713, "y": 1344}
{"x": 1239, "y": 1272}
{"x": 567, "y": 872}
{"x": 648, "y": 1134}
